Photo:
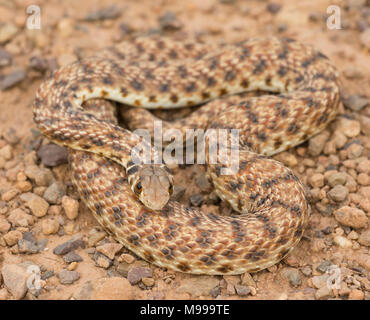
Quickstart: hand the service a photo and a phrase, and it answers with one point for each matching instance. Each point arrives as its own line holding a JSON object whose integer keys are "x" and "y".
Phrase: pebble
{"x": 196, "y": 200}
{"x": 242, "y": 290}
{"x": 9, "y": 195}
{"x": 113, "y": 288}
{"x": 216, "y": 291}
{"x": 41, "y": 176}
{"x": 6, "y": 152}
{"x": 15, "y": 279}
{"x": 197, "y": 285}
{"x": 364, "y": 238}
{"x": 323, "y": 293}
{"x": 4, "y": 225}
{"x": 338, "y": 178}
{"x": 351, "y": 217}
{"x": 70, "y": 207}
{"x": 273, "y": 7}
{"x": 50, "y": 226}
{"x": 109, "y": 12}
{"x": 355, "y": 150}
{"x": 338, "y": 194}
{"x": 169, "y": 22}
{"x": 149, "y": 282}
{"x": 5, "y": 58}
{"x": 7, "y": 31}
{"x": 363, "y": 179}
{"x": 351, "y": 128}
{"x": 52, "y": 155}
{"x": 137, "y": 273}
{"x": 12, "y": 79}
{"x": 307, "y": 271}
{"x": 316, "y": 180}
{"x": 10, "y": 135}
{"x": 12, "y": 237}
{"x": 320, "y": 281}
{"x": 102, "y": 261}
{"x": 323, "y": 266}
{"x": 109, "y": 249}
{"x": 95, "y": 238}
{"x": 123, "y": 269}
{"x": 38, "y": 205}
{"x": 356, "y": 294}
{"x": 203, "y": 184}
{"x": 292, "y": 275}
{"x": 68, "y": 246}
{"x": 128, "y": 258}
{"x": 317, "y": 143}
{"x": 54, "y": 192}
{"x": 342, "y": 242}
{"x": 72, "y": 256}
{"x": 365, "y": 125}
{"x": 68, "y": 277}
{"x": 355, "y": 102}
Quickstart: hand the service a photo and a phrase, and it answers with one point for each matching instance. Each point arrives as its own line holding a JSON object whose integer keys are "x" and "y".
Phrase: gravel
{"x": 72, "y": 244}
{"x": 135, "y": 275}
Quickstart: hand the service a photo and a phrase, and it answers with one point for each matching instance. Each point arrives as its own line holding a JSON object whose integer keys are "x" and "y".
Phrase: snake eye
{"x": 170, "y": 189}
{"x": 138, "y": 188}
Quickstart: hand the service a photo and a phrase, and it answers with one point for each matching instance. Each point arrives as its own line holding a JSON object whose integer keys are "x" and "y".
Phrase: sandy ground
{"x": 66, "y": 35}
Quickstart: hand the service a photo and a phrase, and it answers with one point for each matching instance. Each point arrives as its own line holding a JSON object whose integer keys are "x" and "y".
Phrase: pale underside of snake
{"x": 153, "y": 73}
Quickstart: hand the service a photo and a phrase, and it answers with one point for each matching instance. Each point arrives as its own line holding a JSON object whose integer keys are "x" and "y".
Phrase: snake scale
{"x": 154, "y": 73}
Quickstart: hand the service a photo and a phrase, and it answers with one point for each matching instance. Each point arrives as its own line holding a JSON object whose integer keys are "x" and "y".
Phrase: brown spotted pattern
{"x": 162, "y": 73}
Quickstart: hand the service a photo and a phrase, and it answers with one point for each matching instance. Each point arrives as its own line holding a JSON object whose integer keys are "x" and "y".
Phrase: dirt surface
{"x": 38, "y": 210}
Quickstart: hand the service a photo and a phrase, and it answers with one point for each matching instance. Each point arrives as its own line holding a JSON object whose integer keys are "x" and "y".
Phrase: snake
{"x": 299, "y": 95}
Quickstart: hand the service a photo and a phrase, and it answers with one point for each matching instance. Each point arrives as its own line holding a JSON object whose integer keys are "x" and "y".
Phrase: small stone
{"x": 15, "y": 279}
{"x": 323, "y": 293}
{"x": 196, "y": 200}
{"x": 242, "y": 290}
{"x": 5, "y": 58}
{"x": 7, "y": 31}
{"x": 128, "y": 258}
{"x": 351, "y": 128}
{"x": 149, "y": 282}
{"x": 70, "y": 207}
{"x": 342, "y": 241}
{"x": 114, "y": 288}
{"x": 136, "y": 274}
{"x": 52, "y": 155}
{"x": 316, "y": 180}
{"x": 10, "y": 135}
{"x": 9, "y": 195}
{"x": 169, "y": 22}
{"x": 338, "y": 194}
{"x": 355, "y": 150}
{"x": 72, "y": 257}
{"x": 317, "y": 143}
{"x": 12, "y": 237}
{"x": 68, "y": 277}
{"x": 364, "y": 238}
{"x": 203, "y": 184}
{"x": 4, "y": 225}
{"x": 38, "y": 205}
{"x": 307, "y": 271}
{"x": 365, "y": 125}
{"x": 356, "y": 102}
{"x": 54, "y": 193}
{"x": 273, "y": 7}
{"x": 197, "y": 285}
{"x": 320, "y": 281}
{"x": 323, "y": 266}
{"x": 337, "y": 178}
{"x": 356, "y": 294}
{"x": 123, "y": 269}
{"x": 95, "y": 238}
{"x": 41, "y": 176}
{"x": 293, "y": 276}
{"x": 50, "y": 226}
{"x": 102, "y": 261}
{"x": 68, "y": 246}
{"x": 110, "y": 12}
{"x": 12, "y": 79}
{"x": 6, "y": 152}
{"x": 28, "y": 246}
{"x": 351, "y": 217}
{"x": 109, "y": 249}
{"x": 363, "y": 179}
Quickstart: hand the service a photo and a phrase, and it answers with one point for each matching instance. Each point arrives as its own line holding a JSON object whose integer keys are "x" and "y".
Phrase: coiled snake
{"x": 155, "y": 73}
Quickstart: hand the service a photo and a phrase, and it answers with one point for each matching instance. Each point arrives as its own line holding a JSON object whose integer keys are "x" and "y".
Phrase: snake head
{"x": 153, "y": 184}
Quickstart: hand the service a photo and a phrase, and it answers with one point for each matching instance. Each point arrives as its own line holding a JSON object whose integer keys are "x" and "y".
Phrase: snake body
{"x": 164, "y": 73}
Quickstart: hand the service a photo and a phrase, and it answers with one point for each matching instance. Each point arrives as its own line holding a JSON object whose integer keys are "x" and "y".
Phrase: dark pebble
{"x": 72, "y": 257}
{"x": 68, "y": 246}
{"x": 196, "y": 200}
{"x": 169, "y": 21}
{"x": 5, "y": 58}
{"x": 216, "y": 291}
{"x": 323, "y": 267}
{"x": 12, "y": 79}
{"x": 52, "y": 155}
{"x": 47, "y": 274}
{"x": 111, "y": 12}
{"x": 273, "y": 7}
{"x": 136, "y": 274}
